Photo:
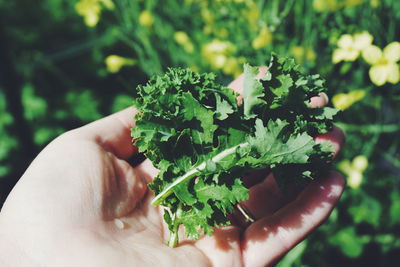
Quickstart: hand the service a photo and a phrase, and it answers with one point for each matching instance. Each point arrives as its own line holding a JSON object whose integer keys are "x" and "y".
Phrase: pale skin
{"x": 81, "y": 204}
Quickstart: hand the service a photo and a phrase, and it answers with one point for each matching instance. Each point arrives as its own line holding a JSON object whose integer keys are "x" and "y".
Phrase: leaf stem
{"x": 195, "y": 172}
{"x": 174, "y": 236}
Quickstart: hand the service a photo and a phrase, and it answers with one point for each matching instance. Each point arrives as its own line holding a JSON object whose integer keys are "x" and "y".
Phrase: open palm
{"x": 80, "y": 203}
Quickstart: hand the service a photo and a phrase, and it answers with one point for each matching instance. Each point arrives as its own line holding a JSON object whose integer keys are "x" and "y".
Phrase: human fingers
{"x": 335, "y": 137}
{"x": 237, "y": 86}
{"x": 123, "y": 189}
{"x": 265, "y": 197}
{"x": 112, "y": 133}
{"x": 223, "y": 247}
{"x": 147, "y": 170}
{"x": 269, "y": 238}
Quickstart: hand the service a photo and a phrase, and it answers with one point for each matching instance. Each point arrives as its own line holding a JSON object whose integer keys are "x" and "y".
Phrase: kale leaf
{"x": 203, "y": 142}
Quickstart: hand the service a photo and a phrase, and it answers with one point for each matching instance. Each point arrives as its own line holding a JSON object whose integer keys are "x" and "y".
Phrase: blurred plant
{"x": 219, "y": 54}
{"x": 325, "y": 5}
{"x": 354, "y": 170}
{"x": 349, "y": 242}
{"x": 384, "y": 67}
{"x": 146, "y": 18}
{"x": 335, "y": 5}
{"x": 7, "y": 142}
{"x": 183, "y": 39}
{"x": 263, "y": 39}
{"x": 35, "y": 107}
{"x": 302, "y": 54}
{"x": 351, "y": 46}
{"x": 344, "y": 101}
{"x": 114, "y": 63}
{"x": 352, "y": 3}
{"x": 91, "y": 10}
{"x": 87, "y": 109}
{"x": 374, "y": 3}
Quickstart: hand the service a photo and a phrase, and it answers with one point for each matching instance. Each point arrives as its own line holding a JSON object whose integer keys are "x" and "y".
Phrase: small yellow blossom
{"x": 222, "y": 32}
{"x": 350, "y": 46}
{"x": 360, "y": 163}
{"x": 217, "y": 52}
{"x": 194, "y": 68}
{"x": 301, "y": 53}
{"x": 252, "y": 15}
{"x": 230, "y": 1}
{"x": 344, "y": 101}
{"x": 114, "y": 63}
{"x": 325, "y": 5}
{"x": 146, "y": 18}
{"x": 351, "y": 3}
{"x": 208, "y": 18}
{"x": 354, "y": 170}
{"x": 108, "y": 3}
{"x": 207, "y": 15}
{"x": 233, "y": 66}
{"x": 263, "y": 39}
{"x": 91, "y": 10}
{"x": 183, "y": 39}
{"x": 384, "y": 67}
{"x": 374, "y": 3}
{"x": 219, "y": 55}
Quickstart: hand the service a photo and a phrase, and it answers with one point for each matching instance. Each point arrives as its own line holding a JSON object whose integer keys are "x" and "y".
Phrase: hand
{"x": 81, "y": 204}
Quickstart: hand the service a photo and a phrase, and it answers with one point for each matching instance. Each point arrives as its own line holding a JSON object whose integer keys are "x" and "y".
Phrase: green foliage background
{"x": 53, "y": 78}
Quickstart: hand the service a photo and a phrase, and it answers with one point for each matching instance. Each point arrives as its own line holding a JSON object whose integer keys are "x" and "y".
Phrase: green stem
{"x": 370, "y": 128}
{"x": 173, "y": 238}
{"x": 246, "y": 214}
{"x": 174, "y": 235}
{"x": 195, "y": 172}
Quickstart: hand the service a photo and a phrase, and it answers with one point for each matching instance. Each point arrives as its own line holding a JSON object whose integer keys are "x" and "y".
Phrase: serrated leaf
{"x": 223, "y": 108}
{"x": 194, "y": 132}
{"x": 194, "y": 110}
{"x": 253, "y": 91}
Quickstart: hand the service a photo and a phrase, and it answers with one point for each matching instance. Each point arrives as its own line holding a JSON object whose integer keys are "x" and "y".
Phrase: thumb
{"x": 123, "y": 190}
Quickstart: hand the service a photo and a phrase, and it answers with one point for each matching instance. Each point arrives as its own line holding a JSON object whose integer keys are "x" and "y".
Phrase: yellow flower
{"x": 350, "y": 46}
{"x": 146, "y": 18}
{"x": 230, "y": 1}
{"x": 252, "y": 14}
{"x": 301, "y": 53}
{"x": 109, "y": 4}
{"x": 207, "y": 15}
{"x": 219, "y": 47}
{"x": 233, "y": 66}
{"x": 208, "y": 18}
{"x": 216, "y": 52}
{"x": 183, "y": 39}
{"x": 344, "y": 101}
{"x": 360, "y": 163}
{"x": 384, "y": 67}
{"x": 114, "y": 63}
{"x": 222, "y": 32}
{"x": 263, "y": 39}
{"x": 194, "y": 68}
{"x": 351, "y": 3}
{"x": 325, "y": 5}
{"x": 374, "y": 3}
{"x": 91, "y": 10}
{"x": 354, "y": 170}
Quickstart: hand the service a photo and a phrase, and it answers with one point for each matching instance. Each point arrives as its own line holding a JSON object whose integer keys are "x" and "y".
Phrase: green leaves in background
{"x": 54, "y": 55}
{"x": 7, "y": 142}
